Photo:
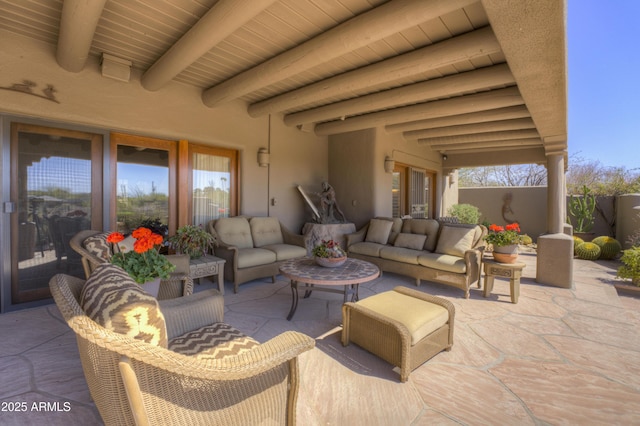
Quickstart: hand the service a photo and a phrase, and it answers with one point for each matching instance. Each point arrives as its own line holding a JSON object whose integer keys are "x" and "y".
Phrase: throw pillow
{"x": 111, "y": 298}
{"x": 98, "y": 245}
{"x": 455, "y": 240}
{"x": 378, "y": 231}
{"x": 410, "y": 241}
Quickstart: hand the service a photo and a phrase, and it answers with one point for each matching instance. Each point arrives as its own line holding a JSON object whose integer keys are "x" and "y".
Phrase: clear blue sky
{"x": 603, "y": 39}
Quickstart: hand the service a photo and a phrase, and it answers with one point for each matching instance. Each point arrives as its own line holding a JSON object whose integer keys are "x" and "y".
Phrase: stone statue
{"x": 329, "y": 205}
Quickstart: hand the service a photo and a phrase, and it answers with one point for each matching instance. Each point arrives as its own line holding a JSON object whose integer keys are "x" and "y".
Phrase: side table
{"x": 206, "y": 266}
{"x": 512, "y": 271}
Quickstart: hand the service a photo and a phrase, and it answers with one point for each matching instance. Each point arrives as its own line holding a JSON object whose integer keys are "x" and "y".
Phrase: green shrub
{"x": 630, "y": 268}
{"x": 526, "y": 240}
{"x": 466, "y": 213}
{"x": 588, "y": 251}
{"x": 609, "y": 247}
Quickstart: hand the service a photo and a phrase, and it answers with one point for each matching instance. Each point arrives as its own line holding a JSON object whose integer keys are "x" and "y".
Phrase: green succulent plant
{"x": 581, "y": 208}
{"x": 609, "y": 247}
{"x": 526, "y": 240}
{"x": 588, "y": 251}
{"x": 576, "y": 242}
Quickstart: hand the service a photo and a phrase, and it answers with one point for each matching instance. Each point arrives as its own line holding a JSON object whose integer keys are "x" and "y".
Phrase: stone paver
{"x": 558, "y": 356}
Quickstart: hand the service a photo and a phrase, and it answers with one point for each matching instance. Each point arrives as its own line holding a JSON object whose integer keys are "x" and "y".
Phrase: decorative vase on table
{"x": 329, "y": 254}
{"x": 506, "y": 254}
{"x": 505, "y": 240}
{"x": 330, "y": 262}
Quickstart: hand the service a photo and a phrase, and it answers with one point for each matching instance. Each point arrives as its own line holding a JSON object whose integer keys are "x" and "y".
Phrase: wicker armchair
{"x": 134, "y": 382}
{"x": 179, "y": 283}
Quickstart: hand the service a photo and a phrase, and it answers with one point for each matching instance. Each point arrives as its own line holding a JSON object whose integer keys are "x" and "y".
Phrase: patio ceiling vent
{"x": 116, "y": 68}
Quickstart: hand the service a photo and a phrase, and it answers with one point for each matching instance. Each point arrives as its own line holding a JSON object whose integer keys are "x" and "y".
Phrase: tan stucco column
{"x": 555, "y": 249}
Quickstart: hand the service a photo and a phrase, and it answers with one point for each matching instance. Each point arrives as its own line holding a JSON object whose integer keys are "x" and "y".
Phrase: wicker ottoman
{"x": 405, "y": 327}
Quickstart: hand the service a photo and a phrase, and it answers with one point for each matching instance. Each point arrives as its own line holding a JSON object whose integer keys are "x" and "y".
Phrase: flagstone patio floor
{"x": 557, "y": 357}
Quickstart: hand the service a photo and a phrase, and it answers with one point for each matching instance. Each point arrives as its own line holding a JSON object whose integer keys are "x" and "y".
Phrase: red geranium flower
{"x": 115, "y": 237}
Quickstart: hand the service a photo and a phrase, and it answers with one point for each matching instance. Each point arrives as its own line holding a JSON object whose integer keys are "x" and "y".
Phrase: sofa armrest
{"x": 357, "y": 237}
{"x": 289, "y": 237}
{"x": 473, "y": 261}
{"x": 192, "y": 312}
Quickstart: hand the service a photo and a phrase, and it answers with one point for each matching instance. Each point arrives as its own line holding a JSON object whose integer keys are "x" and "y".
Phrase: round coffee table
{"x": 305, "y": 270}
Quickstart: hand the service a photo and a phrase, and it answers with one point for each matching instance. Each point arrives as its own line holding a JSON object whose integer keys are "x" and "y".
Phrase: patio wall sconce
{"x": 389, "y": 165}
{"x": 263, "y": 157}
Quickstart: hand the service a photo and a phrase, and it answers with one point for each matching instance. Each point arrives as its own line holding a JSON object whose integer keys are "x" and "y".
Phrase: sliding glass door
{"x": 56, "y": 181}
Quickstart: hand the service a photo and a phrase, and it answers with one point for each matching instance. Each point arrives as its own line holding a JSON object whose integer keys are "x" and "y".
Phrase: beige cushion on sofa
{"x": 286, "y": 251}
{"x": 112, "y": 299}
{"x": 428, "y": 227}
{"x": 400, "y": 254}
{"x": 378, "y": 231}
{"x": 367, "y": 249}
{"x": 420, "y": 317}
{"x": 254, "y": 257}
{"x": 411, "y": 241}
{"x": 234, "y": 231}
{"x": 455, "y": 240}
{"x": 443, "y": 262}
{"x": 265, "y": 231}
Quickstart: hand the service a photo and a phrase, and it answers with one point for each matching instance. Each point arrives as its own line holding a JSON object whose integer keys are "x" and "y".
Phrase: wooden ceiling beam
{"x": 78, "y": 24}
{"x": 225, "y": 17}
{"x": 466, "y": 47}
{"x": 483, "y": 137}
{"x": 453, "y": 85}
{"x": 462, "y": 104}
{"x": 508, "y": 143}
{"x": 468, "y": 129}
{"x": 385, "y": 20}
{"x": 507, "y": 113}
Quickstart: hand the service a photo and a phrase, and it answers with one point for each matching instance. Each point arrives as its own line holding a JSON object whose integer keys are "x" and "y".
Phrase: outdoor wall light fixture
{"x": 263, "y": 157}
{"x": 444, "y": 157}
{"x": 389, "y": 165}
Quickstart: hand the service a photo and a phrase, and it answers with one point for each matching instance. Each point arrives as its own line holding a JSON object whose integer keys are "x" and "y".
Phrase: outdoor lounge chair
{"x": 197, "y": 371}
{"x": 94, "y": 249}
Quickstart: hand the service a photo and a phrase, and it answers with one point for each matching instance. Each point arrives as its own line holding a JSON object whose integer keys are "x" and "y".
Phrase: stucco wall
{"x": 356, "y": 170}
{"x": 528, "y": 207}
{"x": 174, "y": 112}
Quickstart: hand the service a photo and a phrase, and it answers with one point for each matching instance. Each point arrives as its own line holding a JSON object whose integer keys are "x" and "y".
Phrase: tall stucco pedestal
{"x": 555, "y": 260}
{"x": 330, "y": 231}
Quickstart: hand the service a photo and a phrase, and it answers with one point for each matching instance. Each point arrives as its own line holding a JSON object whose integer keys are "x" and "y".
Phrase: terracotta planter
{"x": 331, "y": 262}
{"x": 505, "y": 254}
{"x": 584, "y": 236}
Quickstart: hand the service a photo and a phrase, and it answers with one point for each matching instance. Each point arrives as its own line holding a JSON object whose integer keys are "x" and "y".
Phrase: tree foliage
{"x": 509, "y": 175}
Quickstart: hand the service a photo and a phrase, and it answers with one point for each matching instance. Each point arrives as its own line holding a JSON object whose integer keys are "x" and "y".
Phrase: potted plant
{"x": 581, "y": 208}
{"x": 505, "y": 240}
{"x": 192, "y": 240}
{"x": 329, "y": 254}
{"x": 144, "y": 263}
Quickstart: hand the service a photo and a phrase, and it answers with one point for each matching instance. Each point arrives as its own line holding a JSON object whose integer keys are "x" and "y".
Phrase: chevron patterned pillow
{"x": 112, "y": 298}
{"x": 98, "y": 245}
{"x": 213, "y": 341}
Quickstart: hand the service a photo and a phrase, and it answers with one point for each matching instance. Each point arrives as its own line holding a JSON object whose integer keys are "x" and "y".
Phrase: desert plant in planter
{"x": 630, "y": 268}
{"x": 192, "y": 240}
{"x": 581, "y": 208}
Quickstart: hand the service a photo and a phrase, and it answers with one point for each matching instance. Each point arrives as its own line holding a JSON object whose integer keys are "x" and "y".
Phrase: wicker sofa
{"x": 254, "y": 247}
{"x": 94, "y": 250}
{"x": 150, "y": 362}
{"x": 424, "y": 249}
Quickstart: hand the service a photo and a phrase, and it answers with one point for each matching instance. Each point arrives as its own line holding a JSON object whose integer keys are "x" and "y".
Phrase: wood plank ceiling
{"x": 461, "y": 77}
